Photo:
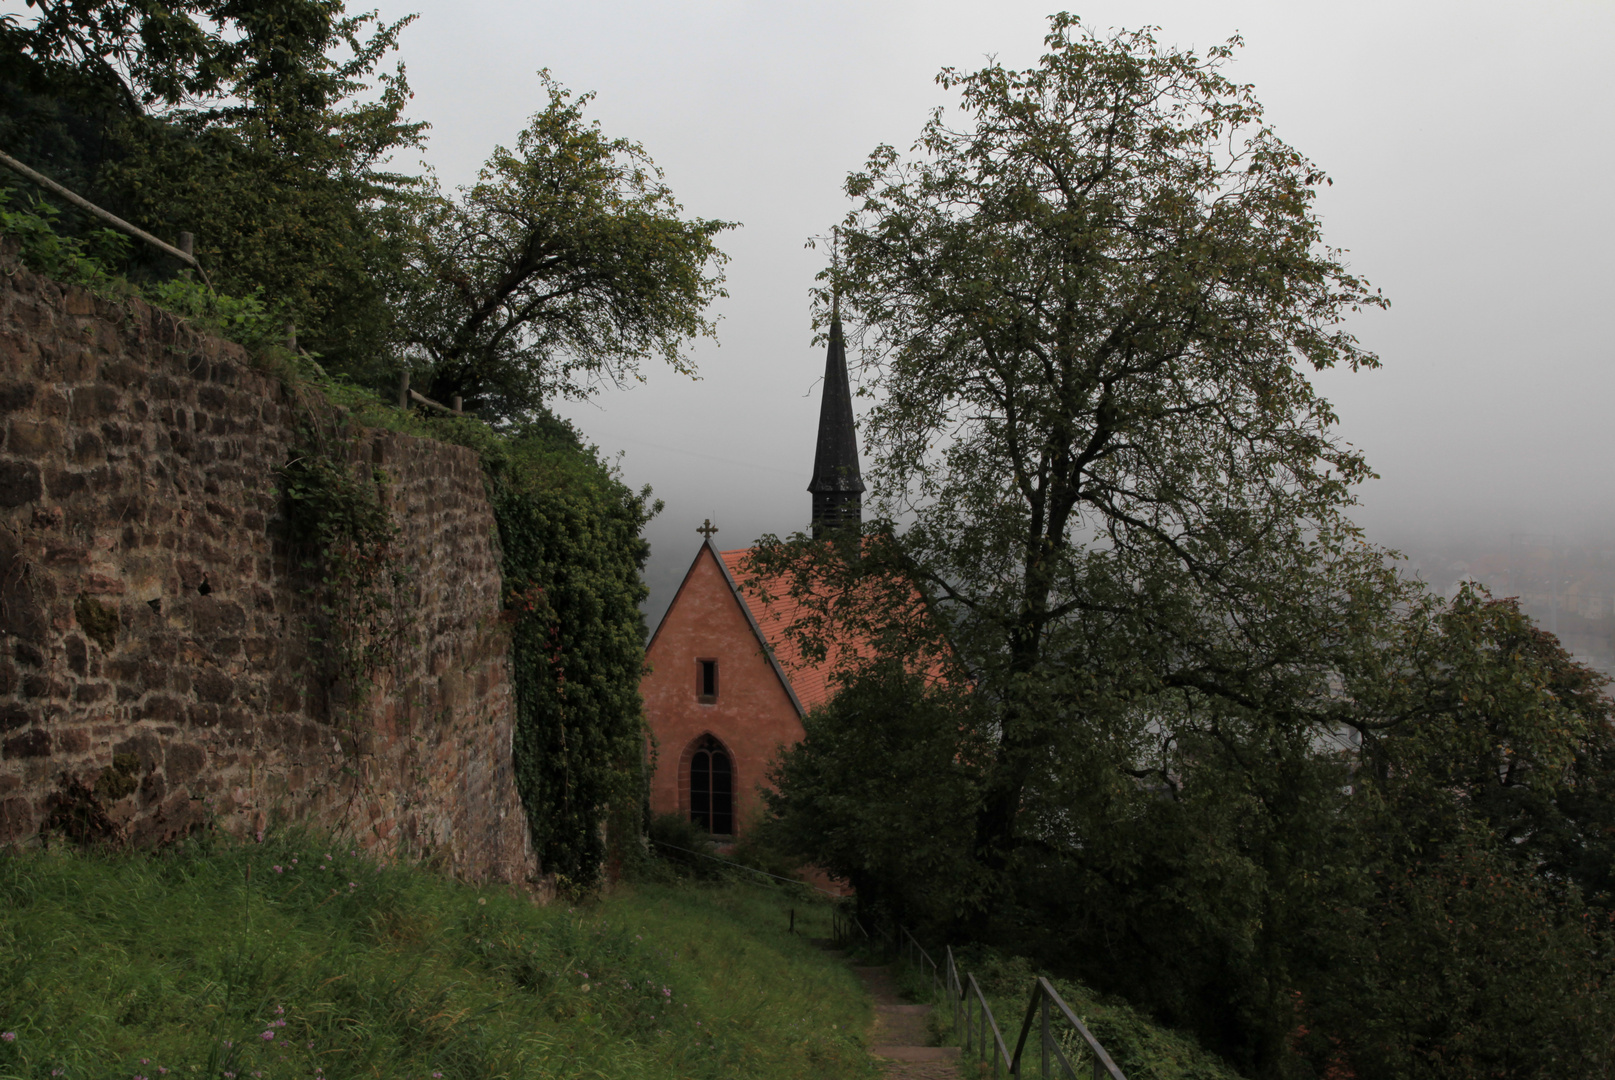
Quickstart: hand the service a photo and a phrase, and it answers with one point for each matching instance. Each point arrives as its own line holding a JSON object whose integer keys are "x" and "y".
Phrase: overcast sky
{"x": 1470, "y": 146}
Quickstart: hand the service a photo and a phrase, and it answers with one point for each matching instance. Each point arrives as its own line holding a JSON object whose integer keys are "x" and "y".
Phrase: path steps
{"x": 901, "y": 1034}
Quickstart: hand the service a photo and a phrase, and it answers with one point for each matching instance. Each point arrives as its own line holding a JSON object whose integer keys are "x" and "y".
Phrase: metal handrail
{"x": 986, "y": 1020}
{"x": 922, "y": 957}
{"x": 1044, "y": 995}
{"x": 843, "y": 922}
{"x": 965, "y": 998}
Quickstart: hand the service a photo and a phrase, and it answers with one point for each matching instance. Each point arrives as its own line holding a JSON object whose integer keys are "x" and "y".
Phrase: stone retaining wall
{"x": 154, "y": 634}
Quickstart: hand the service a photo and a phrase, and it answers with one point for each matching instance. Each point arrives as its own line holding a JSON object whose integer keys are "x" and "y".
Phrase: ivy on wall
{"x": 343, "y": 537}
{"x": 573, "y": 558}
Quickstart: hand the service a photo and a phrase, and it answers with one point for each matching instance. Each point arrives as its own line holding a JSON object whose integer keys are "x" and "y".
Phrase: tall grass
{"x": 295, "y": 958}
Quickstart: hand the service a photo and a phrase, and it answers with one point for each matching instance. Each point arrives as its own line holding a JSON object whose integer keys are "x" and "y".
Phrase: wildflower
{"x": 280, "y": 1010}
{"x": 585, "y": 988}
{"x": 353, "y": 884}
{"x": 277, "y": 868}
{"x": 266, "y": 1036}
{"x": 294, "y": 862}
{"x": 145, "y": 1061}
{"x": 161, "y": 1071}
{"x": 328, "y": 856}
{"x": 227, "y": 1042}
{"x": 139, "y": 1077}
{"x": 8, "y": 1036}
{"x": 437, "y": 1076}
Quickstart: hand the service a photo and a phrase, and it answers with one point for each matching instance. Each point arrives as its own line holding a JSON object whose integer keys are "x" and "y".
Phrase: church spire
{"x": 837, "y": 485}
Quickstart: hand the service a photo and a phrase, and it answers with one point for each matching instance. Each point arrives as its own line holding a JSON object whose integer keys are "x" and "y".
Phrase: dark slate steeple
{"x": 837, "y": 487}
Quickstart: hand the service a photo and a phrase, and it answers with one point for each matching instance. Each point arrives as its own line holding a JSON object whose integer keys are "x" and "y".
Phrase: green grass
{"x": 172, "y": 964}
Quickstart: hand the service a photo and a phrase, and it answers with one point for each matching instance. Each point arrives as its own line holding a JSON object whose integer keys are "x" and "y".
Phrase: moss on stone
{"x": 99, "y": 621}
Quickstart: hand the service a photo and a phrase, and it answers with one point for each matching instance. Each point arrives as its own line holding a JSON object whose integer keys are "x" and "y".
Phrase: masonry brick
{"x": 139, "y": 467}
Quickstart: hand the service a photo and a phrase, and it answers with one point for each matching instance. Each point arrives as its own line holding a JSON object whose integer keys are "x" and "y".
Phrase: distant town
{"x": 1566, "y": 586}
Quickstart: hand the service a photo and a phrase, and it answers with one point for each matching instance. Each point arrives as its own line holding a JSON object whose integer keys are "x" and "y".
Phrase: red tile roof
{"x": 773, "y": 613}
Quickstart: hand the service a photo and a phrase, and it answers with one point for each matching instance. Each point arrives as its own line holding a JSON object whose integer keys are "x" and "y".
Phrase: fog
{"x": 1470, "y": 149}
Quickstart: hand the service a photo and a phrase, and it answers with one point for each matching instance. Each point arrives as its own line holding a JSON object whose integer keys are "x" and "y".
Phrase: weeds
{"x": 301, "y": 958}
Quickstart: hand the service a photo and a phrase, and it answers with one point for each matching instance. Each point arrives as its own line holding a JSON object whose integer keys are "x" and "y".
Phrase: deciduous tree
{"x": 568, "y": 263}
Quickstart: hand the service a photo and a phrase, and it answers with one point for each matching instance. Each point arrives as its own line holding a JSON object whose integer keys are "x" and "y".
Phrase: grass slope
{"x": 326, "y": 965}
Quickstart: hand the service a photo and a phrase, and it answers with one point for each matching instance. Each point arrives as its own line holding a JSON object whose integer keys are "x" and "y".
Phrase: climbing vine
{"x": 573, "y": 556}
{"x": 344, "y": 539}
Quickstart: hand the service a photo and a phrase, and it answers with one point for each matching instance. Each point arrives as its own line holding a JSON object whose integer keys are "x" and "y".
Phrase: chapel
{"x": 726, "y": 688}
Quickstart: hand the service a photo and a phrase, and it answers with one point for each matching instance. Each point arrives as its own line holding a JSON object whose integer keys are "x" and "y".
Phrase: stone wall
{"x": 154, "y": 632}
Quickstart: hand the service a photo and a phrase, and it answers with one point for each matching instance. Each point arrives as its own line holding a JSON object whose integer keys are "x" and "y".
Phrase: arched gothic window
{"x": 712, "y": 787}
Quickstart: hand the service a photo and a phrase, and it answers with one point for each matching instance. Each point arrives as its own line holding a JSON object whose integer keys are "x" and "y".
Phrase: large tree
{"x": 567, "y": 264}
{"x": 1087, "y": 317}
{"x": 1088, "y": 306}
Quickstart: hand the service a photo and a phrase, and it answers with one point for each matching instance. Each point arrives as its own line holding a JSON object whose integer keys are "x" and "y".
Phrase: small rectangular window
{"x": 706, "y": 689}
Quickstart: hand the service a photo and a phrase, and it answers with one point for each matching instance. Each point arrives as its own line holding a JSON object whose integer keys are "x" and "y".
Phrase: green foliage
{"x": 569, "y": 530}
{"x": 1228, "y": 765}
{"x": 346, "y": 541}
{"x": 264, "y": 129}
{"x": 125, "y": 964}
{"x": 882, "y": 791}
{"x": 282, "y": 177}
{"x": 246, "y": 320}
{"x": 566, "y": 264}
{"x": 43, "y": 248}
{"x": 91, "y": 261}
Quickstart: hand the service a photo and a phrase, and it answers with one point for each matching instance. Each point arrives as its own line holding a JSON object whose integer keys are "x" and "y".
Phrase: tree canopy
{"x": 271, "y": 131}
{"x": 1221, "y": 757}
{"x": 567, "y": 263}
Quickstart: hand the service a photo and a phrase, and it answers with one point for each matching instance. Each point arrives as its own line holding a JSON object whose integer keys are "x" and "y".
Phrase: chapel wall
{"x": 150, "y": 611}
{"x": 753, "y": 716}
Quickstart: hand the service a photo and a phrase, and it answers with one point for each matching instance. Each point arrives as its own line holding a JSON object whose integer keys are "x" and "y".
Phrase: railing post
{"x": 1045, "y": 1040}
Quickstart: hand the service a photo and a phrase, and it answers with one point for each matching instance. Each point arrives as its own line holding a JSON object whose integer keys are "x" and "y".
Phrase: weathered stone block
{"x": 30, "y": 744}
{"x": 20, "y": 483}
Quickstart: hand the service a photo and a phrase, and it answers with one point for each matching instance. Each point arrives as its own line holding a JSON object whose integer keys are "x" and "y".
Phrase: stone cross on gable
{"x": 707, "y": 529}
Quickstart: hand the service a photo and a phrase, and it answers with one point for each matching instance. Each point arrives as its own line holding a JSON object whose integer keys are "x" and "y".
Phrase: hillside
{"x": 294, "y": 959}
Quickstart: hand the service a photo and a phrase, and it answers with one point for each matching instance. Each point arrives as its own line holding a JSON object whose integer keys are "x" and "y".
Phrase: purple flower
{"x": 8, "y": 1036}
{"x": 266, "y": 1036}
{"x": 277, "y": 869}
